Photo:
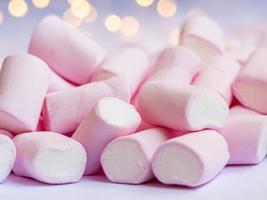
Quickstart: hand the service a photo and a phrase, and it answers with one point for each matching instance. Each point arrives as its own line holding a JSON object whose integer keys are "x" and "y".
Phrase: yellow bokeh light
{"x": 113, "y": 23}
{"x": 144, "y": 3}
{"x": 17, "y": 8}
{"x": 1, "y": 17}
{"x": 129, "y": 26}
{"x": 71, "y": 20}
{"x": 80, "y": 8}
{"x": 40, "y": 3}
{"x": 166, "y": 8}
{"x": 92, "y": 15}
{"x": 174, "y": 37}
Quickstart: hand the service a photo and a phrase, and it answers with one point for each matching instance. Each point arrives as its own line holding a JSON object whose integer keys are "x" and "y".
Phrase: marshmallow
{"x": 6, "y": 133}
{"x": 176, "y": 66}
{"x": 240, "y": 110}
{"x": 49, "y": 157}
{"x": 181, "y": 108}
{"x": 219, "y": 75}
{"x": 128, "y": 159}
{"x": 7, "y": 156}
{"x": 64, "y": 110}
{"x": 250, "y": 86}
{"x": 109, "y": 119}
{"x": 24, "y": 81}
{"x": 238, "y": 50}
{"x": 69, "y": 52}
{"x": 57, "y": 83}
{"x": 246, "y": 136}
{"x": 203, "y": 35}
{"x": 192, "y": 159}
{"x": 130, "y": 62}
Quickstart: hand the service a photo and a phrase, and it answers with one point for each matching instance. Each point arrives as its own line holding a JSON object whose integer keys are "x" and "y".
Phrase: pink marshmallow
{"x": 49, "y": 157}
{"x": 57, "y": 83}
{"x": 69, "y": 52}
{"x": 219, "y": 75}
{"x": 181, "y": 108}
{"x": 238, "y": 50}
{"x": 109, "y": 119}
{"x": 203, "y": 35}
{"x": 24, "y": 81}
{"x": 6, "y": 133}
{"x": 250, "y": 87}
{"x": 7, "y": 156}
{"x": 64, "y": 110}
{"x": 246, "y": 136}
{"x": 129, "y": 62}
{"x": 240, "y": 110}
{"x": 177, "y": 66}
{"x": 128, "y": 159}
{"x": 191, "y": 160}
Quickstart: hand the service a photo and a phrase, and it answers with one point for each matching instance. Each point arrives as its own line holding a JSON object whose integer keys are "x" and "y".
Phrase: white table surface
{"x": 236, "y": 182}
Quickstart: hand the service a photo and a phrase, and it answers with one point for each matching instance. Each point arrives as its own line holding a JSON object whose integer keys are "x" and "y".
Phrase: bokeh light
{"x": 174, "y": 37}
{"x": 144, "y": 3}
{"x": 40, "y": 3}
{"x": 113, "y": 23}
{"x": 92, "y": 15}
{"x": 129, "y": 26}
{"x": 17, "y": 8}
{"x": 70, "y": 19}
{"x": 166, "y": 8}
{"x": 1, "y": 17}
{"x": 80, "y": 8}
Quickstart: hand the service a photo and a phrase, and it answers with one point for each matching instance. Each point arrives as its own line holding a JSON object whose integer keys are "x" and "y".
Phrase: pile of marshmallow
{"x": 179, "y": 116}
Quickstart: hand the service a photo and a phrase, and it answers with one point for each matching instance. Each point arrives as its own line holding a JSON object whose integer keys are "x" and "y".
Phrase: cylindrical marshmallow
{"x": 246, "y": 136}
{"x": 219, "y": 75}
{"x": 49, "y": 157}
{"x": 203, "y": 35}
{"x": 192, "y": 159}
{"x": 7, "y": 133}
{"x": 182, "y": 108}
{"x": 250, "y": 86}
{"x": 7, "y": 156}
{"x": 69, "y": 52}
{"x": 24, "y": 81}
{"x": 128, "y": 159}
{"x": 130, "y": 62}
{"x": 109, "y": 119}
{"x": 64, "y": 110}
{"x": 57, "y": 83}
{"x": 177, "y": 66}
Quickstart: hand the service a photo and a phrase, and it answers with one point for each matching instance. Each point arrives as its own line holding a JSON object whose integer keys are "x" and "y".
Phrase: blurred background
{"x": 153, "y": 24}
